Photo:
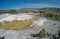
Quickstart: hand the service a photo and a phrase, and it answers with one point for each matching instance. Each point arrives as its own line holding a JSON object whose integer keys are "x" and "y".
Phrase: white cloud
{"x": 38, "y": 5}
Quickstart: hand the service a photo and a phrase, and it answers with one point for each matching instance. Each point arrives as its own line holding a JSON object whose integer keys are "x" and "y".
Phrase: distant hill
{"x": 53, "y": 9}
{"x": 44, "y": 9}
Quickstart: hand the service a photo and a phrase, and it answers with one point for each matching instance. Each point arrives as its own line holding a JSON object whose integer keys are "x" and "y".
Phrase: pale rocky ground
{"x": 24, "y": 34}
{"x": 52, "y": 27}
{"x": 10, "y": 17}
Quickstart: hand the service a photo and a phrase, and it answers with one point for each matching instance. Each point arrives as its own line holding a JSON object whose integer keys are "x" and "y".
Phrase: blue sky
{"x": 18, "y": 4}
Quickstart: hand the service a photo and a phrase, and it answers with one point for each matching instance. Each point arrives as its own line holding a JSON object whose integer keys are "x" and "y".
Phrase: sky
{"x": 18, "y": 4}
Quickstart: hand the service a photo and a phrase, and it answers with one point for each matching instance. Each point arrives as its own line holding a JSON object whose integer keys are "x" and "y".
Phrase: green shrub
{"x": 42, "y": 33}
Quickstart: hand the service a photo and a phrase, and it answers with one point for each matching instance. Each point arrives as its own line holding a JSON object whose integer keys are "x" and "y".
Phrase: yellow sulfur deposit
{"x": 16, "y": 24}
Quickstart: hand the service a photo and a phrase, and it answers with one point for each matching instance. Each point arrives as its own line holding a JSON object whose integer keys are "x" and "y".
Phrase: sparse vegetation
{"x": 42, "y": 33}
{"x": 50, "y": 14}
